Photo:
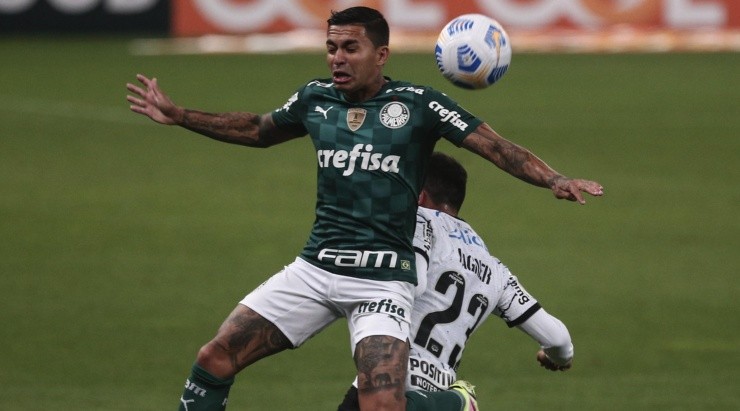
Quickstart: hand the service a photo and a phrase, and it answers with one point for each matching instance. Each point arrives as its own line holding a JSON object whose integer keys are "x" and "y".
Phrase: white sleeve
{"x": 423, "y": 240}
{"x": 551, "y": 334}
{"x": 421, "y": 274}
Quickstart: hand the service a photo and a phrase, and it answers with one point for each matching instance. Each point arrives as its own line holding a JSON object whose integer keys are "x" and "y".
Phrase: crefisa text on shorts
{"x": 386, "y": 306}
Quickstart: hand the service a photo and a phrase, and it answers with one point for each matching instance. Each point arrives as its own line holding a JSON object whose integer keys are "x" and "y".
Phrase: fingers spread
{"x": 134, "y": 100}
{"x": 592, "y": 188}
{"x": 143, "y": 79}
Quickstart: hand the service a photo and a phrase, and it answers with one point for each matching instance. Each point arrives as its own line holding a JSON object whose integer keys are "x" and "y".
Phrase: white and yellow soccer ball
{"x": 473, "y": 51}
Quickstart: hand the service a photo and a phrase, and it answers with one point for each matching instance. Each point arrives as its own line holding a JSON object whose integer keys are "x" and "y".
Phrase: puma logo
{"x": 396, "y": 320}
{"x": 322, "y": 111}
{"x": 185, "y": 403}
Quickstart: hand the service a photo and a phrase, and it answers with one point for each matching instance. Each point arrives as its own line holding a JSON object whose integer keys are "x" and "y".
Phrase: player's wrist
{"x": 178, "y": 115}
{"x": 559, "y": 355}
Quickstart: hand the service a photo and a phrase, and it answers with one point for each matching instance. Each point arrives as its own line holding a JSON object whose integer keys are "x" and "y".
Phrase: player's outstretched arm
{"x": 521, "y": 163}
{"x": 247, "y": 129}
{"x": 556, "y": 352}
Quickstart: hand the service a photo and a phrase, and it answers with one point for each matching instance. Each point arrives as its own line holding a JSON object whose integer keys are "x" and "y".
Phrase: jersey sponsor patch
{"x": 394, "y": 115}
{"x": 361, "y": 258}
{"x": 447, "y": 116}
{"x": 438, "y": 377}
{"x": 423, "y": 384}
{"x": 361, "y": 157}
{"x": 384, "y": 306}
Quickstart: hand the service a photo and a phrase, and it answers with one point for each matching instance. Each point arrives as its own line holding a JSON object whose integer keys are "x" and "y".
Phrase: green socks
{"x": 433, "y": 401}
{"x": 204, "y": 392}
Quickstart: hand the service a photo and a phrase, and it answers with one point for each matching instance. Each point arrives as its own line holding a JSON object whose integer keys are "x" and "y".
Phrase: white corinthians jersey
{"x": 465, "y": 284}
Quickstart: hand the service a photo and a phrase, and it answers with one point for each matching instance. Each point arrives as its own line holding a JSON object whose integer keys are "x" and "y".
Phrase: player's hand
{"x": 547, "y": 363}
{"x": 152, "y": 102}
{"x": 573, "y": 189}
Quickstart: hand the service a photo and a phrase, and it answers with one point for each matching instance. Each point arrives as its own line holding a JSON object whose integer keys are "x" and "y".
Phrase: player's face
{"x": 356, "y": 65}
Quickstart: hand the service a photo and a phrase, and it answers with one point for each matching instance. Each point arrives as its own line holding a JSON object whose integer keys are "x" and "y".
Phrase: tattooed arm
{"x": 247, "y": 129}
{"x": 522, "y": 164}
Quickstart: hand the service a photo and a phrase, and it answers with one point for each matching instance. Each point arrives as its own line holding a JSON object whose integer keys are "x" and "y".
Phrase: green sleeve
{"x": 290, "y": 116}
{"x": 450, "y": 119}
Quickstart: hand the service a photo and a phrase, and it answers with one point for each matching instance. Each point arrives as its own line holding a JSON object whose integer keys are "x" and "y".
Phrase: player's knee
{"x": 382, "y": 400}
{"x": 211, "y": 357}
{"x": 206, "y": 353}
{"x": 377, "y": 350}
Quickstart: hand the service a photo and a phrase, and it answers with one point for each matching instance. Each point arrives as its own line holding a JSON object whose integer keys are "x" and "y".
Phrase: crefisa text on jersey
{"x": 347, "y": 160}
{"x": 453, "y": 117}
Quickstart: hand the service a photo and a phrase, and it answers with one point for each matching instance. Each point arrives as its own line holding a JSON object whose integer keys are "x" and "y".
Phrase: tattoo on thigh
{"x": 249, "y": 337}
{"x": 381, "y": 364}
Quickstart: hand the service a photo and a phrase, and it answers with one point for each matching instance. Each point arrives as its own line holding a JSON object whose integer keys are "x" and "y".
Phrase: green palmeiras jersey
{"x": 372, "y": 157}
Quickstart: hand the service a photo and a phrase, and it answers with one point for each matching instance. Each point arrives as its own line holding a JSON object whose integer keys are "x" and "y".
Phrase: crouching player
{"x": 464, "y": 285}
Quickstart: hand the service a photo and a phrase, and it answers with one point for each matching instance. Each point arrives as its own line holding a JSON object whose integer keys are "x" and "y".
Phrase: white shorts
{"x": 302, "y": 299}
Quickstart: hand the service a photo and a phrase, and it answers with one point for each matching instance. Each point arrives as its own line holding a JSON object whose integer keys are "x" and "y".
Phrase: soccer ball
{"x": 473, "y": 51}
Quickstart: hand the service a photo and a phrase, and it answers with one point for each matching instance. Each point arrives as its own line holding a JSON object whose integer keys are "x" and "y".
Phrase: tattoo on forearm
{"x": 507, "y": 156}
{"x": 516, "y": 160}
{"x": 240, "y": 128}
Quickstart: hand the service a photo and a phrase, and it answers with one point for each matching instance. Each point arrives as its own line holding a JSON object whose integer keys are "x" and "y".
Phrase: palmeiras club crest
{"x": 394, "y": 115}
{"x": 355, "y": 118}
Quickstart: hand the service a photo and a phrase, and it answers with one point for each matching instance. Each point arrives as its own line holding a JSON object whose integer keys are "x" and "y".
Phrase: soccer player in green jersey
{"x": 373, "y": 137}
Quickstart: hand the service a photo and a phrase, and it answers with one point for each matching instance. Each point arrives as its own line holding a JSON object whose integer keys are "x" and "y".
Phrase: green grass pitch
{"x": 125, "y": 244}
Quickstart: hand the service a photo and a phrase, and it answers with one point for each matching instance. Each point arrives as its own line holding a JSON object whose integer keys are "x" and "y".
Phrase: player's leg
{"x": 283, "y": 312}
{"x": 459, "y": 396}
{"x": 378, "y": 315}
{"x": 351, "y": 401}
{"x": 243, "y": 338}
{"x": 381, "y": 372}
{"x": 450, "y": 400}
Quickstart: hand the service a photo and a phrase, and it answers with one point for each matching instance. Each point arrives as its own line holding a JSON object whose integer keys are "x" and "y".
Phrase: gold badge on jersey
{"x": 355, "y": 118}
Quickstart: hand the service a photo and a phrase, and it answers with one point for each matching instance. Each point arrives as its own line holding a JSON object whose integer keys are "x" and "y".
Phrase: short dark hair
{"x": 446, "y": 180}
{"x": 372, "y": 20}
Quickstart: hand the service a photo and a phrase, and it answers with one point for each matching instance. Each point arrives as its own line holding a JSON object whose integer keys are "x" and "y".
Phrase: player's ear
{"x": 382, "y": 53}
{"x": 423, "y": 198}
